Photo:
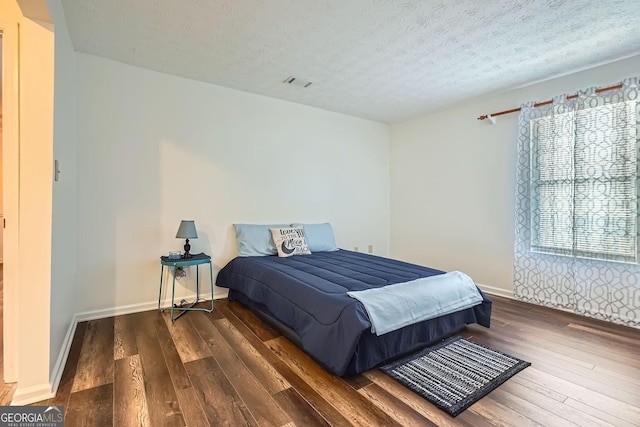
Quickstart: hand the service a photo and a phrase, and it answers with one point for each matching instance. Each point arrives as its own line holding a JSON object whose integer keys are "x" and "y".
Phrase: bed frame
{"x": 374, "y": 350}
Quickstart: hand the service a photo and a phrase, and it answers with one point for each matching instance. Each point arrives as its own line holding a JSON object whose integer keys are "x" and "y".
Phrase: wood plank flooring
{"x": 230, "y": 368}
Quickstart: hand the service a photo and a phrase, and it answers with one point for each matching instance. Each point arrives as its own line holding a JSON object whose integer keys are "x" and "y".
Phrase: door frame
{"x": 10, "y": 193}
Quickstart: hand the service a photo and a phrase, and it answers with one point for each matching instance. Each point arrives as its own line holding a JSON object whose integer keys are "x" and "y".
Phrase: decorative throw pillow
{"x": 290, "y": 241}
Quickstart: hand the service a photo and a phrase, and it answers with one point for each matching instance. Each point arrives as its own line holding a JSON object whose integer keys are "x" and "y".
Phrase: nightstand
{"x": 197, "y": 260}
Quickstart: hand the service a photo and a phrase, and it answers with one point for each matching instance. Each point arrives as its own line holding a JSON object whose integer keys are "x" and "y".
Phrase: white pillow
{"x": 290, "y": 241}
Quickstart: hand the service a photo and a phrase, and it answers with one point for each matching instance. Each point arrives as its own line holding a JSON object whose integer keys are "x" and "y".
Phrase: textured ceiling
{"x": 383, "y": 60}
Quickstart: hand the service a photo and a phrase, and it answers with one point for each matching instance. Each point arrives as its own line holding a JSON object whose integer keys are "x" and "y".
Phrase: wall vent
{"x": 293, "y": 81}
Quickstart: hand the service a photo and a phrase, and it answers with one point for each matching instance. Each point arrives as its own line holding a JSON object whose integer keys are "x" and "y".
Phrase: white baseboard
{"x": 36, "y": 393}
{"x": 58, "y": 369}
{"x": 123, "y": 309}
{"x": 46, "y": 391}
{"x": 492, "y": 290}
{"x": 134, "y": 308}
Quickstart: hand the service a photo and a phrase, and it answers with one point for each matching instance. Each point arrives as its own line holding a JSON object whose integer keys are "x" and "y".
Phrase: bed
{"x": 305, "y": 297}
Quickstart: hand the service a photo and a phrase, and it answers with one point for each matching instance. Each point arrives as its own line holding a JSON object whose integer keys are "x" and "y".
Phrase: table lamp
{"x": 187, "y": 230}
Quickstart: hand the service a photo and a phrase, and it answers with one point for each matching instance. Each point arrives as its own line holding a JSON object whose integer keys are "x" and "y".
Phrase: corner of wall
{"x": 493, "y": 290}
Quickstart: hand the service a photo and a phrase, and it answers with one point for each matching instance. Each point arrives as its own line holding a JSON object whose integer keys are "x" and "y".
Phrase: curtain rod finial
{"x": 488, "y": 117}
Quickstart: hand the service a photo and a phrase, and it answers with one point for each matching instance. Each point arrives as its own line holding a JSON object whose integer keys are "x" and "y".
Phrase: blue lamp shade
{"x": 187, "y": 230}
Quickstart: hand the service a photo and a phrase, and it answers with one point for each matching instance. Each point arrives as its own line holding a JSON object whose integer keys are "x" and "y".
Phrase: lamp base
{"x": 187, "y": 248}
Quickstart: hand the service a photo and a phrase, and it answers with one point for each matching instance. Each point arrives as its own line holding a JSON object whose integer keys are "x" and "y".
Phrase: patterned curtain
{"x": 576, "y": 240}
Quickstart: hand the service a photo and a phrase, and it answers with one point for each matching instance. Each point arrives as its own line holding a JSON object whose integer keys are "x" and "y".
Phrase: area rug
{"x": 456, "y": 373}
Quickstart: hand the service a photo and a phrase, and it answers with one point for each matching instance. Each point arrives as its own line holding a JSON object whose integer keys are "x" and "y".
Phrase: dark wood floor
{"x": 229, "y": 368}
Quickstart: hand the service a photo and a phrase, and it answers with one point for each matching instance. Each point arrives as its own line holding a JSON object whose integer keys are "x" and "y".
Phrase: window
{"x": 584, "y": 182}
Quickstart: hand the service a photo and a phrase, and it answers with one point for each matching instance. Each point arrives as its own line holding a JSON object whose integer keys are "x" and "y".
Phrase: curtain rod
{"x": 540, "y": 104}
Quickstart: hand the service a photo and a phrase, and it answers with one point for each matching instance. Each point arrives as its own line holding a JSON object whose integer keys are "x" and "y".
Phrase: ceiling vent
{"x": 293, "y": 81}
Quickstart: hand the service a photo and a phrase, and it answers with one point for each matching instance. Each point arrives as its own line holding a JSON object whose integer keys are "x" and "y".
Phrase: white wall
{"x": 453, "y": 179}
{"x": 63, "y": 244}
{"x": 36, "y": 158}
{"x": 153, "y": 149}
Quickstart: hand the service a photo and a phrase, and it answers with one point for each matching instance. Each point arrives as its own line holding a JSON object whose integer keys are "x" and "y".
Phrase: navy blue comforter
{"x": 307, "y": 293}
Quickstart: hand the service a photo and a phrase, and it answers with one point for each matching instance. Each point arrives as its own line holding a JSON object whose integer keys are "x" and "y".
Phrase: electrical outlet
{"x": 370, "y": 249}
{"x": 355, "y": 249}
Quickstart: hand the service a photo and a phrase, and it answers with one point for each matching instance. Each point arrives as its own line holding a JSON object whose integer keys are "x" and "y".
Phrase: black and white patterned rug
{"x": 456, "y": 373}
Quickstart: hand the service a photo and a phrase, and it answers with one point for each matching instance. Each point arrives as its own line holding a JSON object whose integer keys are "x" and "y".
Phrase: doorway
{"x": 8, "y": 114}
{"x": 6, "y": 390}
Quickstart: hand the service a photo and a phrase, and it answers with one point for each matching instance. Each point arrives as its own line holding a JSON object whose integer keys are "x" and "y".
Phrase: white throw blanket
{"x": 395, "y": 306}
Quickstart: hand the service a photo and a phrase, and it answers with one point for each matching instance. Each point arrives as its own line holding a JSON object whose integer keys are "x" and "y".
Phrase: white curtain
{"x": 577, "y": 189}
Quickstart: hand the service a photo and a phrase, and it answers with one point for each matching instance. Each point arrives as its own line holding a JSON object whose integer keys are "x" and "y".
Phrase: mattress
{"x": 308, "y": 295}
